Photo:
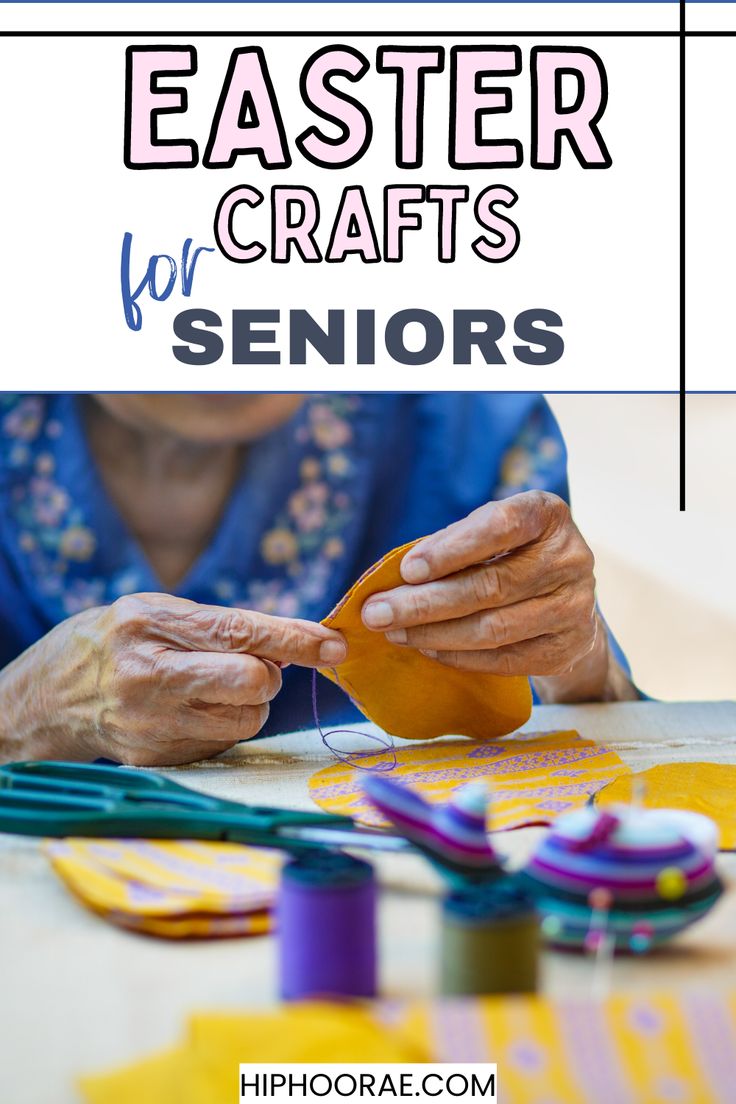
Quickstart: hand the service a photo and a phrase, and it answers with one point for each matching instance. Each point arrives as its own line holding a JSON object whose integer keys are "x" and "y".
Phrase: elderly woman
{"x": 164, "y": 558}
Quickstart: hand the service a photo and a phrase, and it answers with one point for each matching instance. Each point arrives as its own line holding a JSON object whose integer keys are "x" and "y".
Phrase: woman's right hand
{"x": 152, "y": 680}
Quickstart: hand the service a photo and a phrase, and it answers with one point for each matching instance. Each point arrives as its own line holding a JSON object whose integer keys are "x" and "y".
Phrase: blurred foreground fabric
{"x": 631, "y": 1050}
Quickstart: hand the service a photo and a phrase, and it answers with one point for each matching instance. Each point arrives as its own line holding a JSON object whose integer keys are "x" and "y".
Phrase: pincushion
{"x": 639, "y": 875}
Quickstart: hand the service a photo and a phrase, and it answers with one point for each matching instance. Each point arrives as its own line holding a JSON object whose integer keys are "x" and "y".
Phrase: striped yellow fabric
{"x": 171, "y": 888}
{"x": 640, "y": 1049}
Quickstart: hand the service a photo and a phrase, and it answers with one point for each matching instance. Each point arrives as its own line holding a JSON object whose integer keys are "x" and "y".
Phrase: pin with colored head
{"x": 638, "y": 793}
{"x": 600, "y": 941}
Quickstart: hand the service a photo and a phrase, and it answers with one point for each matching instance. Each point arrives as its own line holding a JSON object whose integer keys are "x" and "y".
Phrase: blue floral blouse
{"x": 317, "y": 501}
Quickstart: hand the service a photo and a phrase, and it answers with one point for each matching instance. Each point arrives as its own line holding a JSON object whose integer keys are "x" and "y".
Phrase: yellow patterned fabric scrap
{"x": 533, "y": 776}
{"x": 641, "y": 1049}
{"x": 706, "y": 788}
{"x": 176, "y": 889}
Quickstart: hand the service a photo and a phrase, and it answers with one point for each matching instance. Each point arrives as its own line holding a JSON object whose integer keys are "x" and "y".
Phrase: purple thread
{"x": 350, "y": 758}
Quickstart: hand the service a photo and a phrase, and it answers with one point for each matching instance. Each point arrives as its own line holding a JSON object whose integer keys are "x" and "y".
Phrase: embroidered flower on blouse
{"x": 77, "y": 543}
{"x": 307, "y": 506}
{"x": 54, "y": 534}
{"x": 549, "y": 448}
{"x": 271, "y": 597}
{"x": 279, "y": 546}
{"x": 310, "y": 468}
{"x": 19, "y": 456}
{"x": 517, "y": 467}
{"x": 529, "y": 462}
{"x": 328, "y": 429}
{"x": 49, "y": 502}
{"x": 83, "y": 594}
{"x": 338, "y": 464}
{"x": 24, "y": 419}
{"x": 45, "y": 463}
{"x": 334, "y": 548}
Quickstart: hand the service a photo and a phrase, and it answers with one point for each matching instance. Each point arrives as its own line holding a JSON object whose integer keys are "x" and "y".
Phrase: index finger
{"x": 492, "y": 530}
{"x": 280, "y": 639}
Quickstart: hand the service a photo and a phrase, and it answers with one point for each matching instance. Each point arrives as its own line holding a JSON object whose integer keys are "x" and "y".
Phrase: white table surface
{"x": 78, "y": 995}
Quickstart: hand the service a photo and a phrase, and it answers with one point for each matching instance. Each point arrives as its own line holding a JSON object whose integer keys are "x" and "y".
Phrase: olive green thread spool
{"x": 489, "y": 941}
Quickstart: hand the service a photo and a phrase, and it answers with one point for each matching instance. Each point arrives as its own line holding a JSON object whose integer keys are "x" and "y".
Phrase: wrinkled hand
{"x": 508, "y": 590}
{"x": 154, "y": 680}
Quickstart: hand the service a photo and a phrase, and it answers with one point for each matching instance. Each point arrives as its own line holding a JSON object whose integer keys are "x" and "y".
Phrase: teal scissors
{"x": 71, "y": 799}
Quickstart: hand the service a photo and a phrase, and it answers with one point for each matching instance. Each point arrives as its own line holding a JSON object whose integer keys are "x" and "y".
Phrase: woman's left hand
{"x": 508, "y": 590}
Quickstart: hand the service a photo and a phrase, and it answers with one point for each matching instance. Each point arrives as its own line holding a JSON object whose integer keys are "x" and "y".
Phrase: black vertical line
{"x": 683, "y": 318}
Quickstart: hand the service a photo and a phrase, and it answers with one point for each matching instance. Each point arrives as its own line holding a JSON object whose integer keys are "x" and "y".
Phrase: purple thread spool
{"x": 326, "y": 917}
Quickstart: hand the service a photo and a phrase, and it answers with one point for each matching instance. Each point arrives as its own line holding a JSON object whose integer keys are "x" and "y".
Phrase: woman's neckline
{"x": 171, "y": 497}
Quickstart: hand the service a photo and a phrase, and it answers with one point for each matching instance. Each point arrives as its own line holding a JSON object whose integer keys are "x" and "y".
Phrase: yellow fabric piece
{"x": 707, "y": 788}
{"x": 409, "y": 695}
{"x": 170, "y": 888}
{"x": 665, "y": 1048}
{"x": 155, "y": 1080}
{"x": 192, "y": 927}
{"x": 643, "y": 1049}
{"x": 533, "y": 776}
{"x": 204, "y": 1069}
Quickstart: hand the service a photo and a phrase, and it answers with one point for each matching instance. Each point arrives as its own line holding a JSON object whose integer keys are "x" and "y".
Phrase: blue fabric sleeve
{"x": 537, "y": 460}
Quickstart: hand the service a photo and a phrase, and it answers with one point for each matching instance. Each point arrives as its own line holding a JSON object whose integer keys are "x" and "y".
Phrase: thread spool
{"x": 326, "y": 917}
{"x": 489, "y": 941}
